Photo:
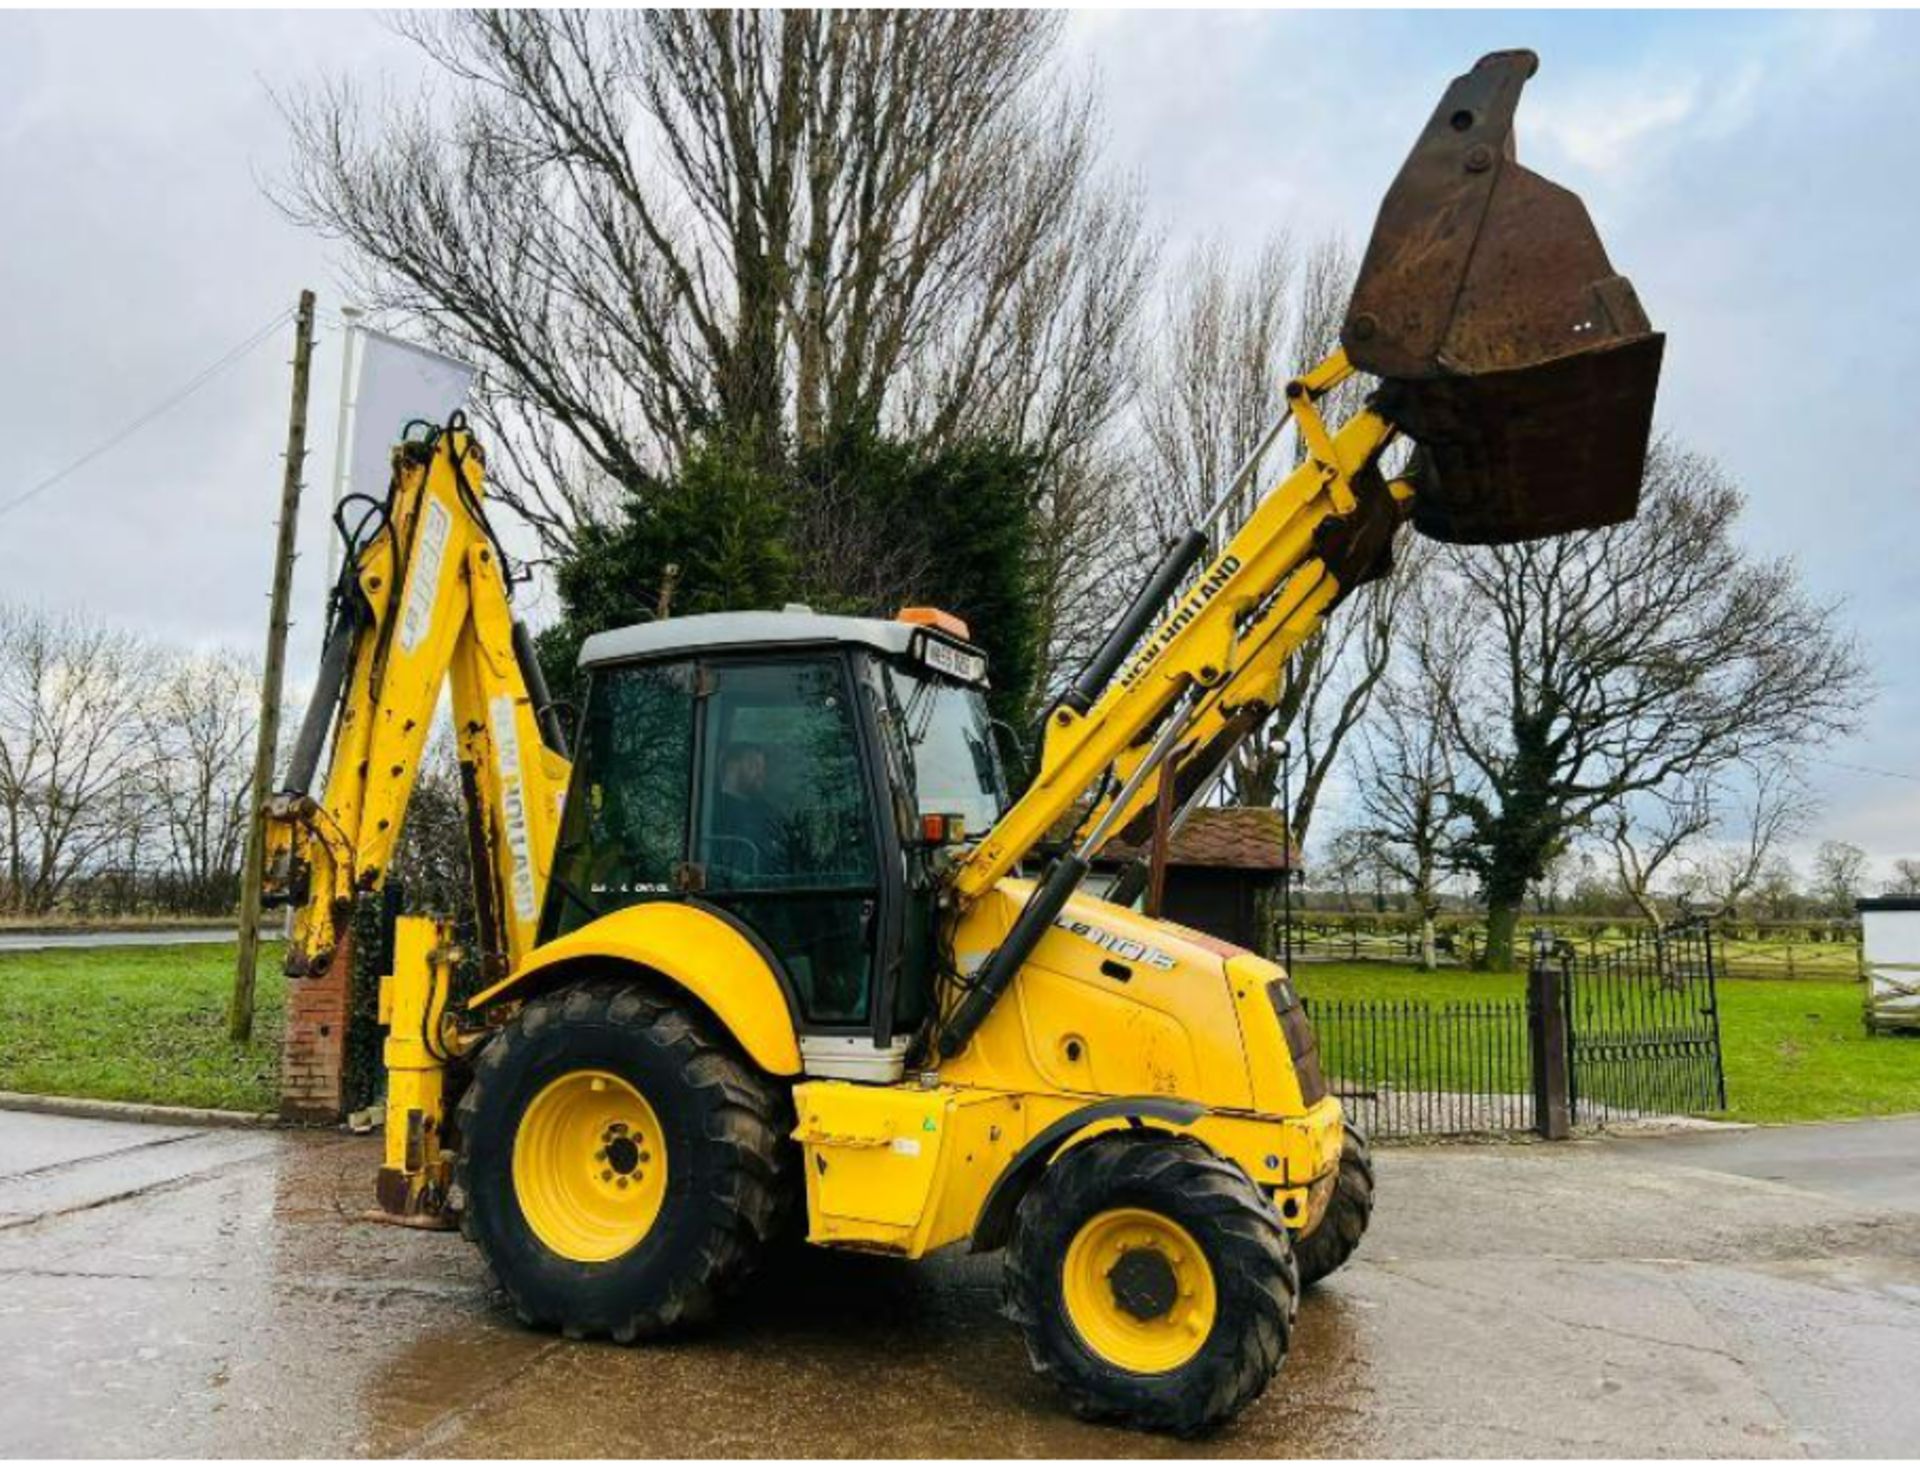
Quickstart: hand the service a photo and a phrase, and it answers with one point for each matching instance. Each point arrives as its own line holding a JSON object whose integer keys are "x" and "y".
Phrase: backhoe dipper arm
{"x": 422, "y": 603}
{"x": 1205, "y": 674}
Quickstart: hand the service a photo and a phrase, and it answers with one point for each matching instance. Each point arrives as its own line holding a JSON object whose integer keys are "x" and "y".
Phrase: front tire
{"x": 621, "y": 1165}
{"x": 1332, "y": 1242}
{"x": 1152, "y": 1282}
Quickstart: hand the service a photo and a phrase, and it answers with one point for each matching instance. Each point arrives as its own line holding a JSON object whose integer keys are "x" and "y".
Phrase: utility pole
{"x": 240, "y": 1008}
{"x": 342, "y": 449}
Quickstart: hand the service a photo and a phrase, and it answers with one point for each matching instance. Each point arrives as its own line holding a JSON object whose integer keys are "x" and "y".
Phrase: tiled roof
{"x": 1224, "y": 838}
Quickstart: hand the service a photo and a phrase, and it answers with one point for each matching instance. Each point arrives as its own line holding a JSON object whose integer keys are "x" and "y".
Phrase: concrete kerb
{"x": 155, "y": 1113}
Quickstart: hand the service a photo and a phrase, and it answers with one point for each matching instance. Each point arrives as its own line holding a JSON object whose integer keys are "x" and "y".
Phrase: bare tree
{"x": 432, "y": 862}
{"x": 1777, "y": 891}
{"x": 1346, "y": 859}
{"x": 199, "y": 726}
{"x": 1230, "y": 337}
{"x": 1330, "y": 683}
{"x": 1579, "y": 671}
{"x": 1839, "y": 875}
{"x": 1214, "y": 384}
{"x": 1331, "y": 680}
{"x": 1772, "y": 806}
{"x": 649, "y": 224}
{"x": 71, "y": 692}
{"x": 1404, "y": 770}
{"x": 1649, "y": 836}
{"x": 1906, "y": 878}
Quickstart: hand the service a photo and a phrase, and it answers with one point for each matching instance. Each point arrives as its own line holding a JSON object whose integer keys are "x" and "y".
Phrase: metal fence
{"x": 1412, "y": 1068}
{"x": 1601, "y": 1036}
{"x": 1643, "y": 1027}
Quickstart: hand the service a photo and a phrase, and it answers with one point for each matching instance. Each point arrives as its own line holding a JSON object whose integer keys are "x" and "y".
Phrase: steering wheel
{"x": 750, "y": 850}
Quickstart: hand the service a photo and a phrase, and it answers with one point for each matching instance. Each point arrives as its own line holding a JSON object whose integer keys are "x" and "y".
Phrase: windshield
{"x": 950, "y": 739}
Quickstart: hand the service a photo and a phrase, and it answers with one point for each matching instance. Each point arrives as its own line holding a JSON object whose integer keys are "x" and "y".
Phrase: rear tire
{"x": 588, "y": 1229}
{"x": 1152, "y": 1282}
{"x": 1331, "y": 1243}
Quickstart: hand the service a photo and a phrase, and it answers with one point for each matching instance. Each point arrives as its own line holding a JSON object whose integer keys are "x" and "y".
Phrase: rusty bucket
{"x": 1508, "y": 348}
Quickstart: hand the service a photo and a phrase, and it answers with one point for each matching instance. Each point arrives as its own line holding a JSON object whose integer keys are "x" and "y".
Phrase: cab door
{"x": 785, "y": 833}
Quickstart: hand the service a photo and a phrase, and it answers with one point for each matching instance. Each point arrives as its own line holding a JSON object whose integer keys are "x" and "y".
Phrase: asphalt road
{"x": 171, "y": 1291}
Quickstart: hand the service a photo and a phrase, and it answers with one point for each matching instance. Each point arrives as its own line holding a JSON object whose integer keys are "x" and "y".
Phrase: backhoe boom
{"x": 422, "y": 605}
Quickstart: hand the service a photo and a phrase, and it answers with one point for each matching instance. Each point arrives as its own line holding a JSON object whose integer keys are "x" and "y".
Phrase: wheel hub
{"x": 589, "y": 1166}
{"x": 1144, "y": 1286}
{"x": 623, "y": 1155}
{"x": 1139, "y": 1290}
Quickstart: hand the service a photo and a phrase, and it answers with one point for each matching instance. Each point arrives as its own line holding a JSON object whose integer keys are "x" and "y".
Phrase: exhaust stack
{"x": 1510, "y": 350}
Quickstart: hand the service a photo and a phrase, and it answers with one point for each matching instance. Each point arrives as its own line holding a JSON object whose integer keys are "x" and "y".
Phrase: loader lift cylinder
{"x": 1139, "y": 618}
{"x": 552, "y": 732}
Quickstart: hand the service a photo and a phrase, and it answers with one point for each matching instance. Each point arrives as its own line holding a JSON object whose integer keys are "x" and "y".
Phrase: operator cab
{"x": 802, "y": 776}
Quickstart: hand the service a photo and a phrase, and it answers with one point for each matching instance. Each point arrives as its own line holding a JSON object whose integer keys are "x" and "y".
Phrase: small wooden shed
{"x": 1890, "y": 951}
{"x": 1221, "y": 869}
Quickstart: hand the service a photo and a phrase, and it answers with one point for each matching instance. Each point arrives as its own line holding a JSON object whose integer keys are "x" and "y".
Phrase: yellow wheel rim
{"x": 1139, "y": 1290}
{"x": 590, "y": 1166}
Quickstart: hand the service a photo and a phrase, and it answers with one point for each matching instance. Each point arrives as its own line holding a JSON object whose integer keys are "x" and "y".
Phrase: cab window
{"x": 624, "y": 832}
{"x": 783, "y": 832}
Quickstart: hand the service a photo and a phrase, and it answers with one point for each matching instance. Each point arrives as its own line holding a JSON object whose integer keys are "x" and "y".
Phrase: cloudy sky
{"x": 1753, "y": 173}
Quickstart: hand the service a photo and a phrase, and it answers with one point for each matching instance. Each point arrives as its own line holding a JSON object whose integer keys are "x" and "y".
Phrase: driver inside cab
{"x": 746, "y": 827}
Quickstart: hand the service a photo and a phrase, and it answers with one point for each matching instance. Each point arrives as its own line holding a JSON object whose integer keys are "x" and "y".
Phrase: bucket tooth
{"x": 1508, "y": 347}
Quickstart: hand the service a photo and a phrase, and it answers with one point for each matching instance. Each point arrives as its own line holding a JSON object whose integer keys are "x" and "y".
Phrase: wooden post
{"x": 240, "y": 1007}
{"x": 1547, "y": 1027}
{"x": 1158, "y": 850}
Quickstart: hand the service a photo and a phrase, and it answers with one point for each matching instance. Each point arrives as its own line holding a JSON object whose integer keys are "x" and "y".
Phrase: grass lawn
{"x": 148, "y": 1024}
{"x": 145, "y": 1024}
{"x": 1795, "y": 1051}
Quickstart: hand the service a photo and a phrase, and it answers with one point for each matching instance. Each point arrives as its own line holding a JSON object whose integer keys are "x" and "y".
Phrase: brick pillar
{"x": 314, "y": 1048}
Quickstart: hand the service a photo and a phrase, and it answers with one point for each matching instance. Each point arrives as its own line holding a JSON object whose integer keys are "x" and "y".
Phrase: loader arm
{"x": 422, "y": 605}
{"x": 1206, "y": 675}
{"x": 1213, "y": 668}
{"x": 1516, "y": 359}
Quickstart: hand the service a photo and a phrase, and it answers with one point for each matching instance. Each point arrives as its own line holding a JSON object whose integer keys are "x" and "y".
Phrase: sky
{"x": 1752, "y": 172}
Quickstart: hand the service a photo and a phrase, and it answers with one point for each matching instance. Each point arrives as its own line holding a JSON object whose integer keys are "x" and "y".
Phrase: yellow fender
{"x": 693, "y": 947}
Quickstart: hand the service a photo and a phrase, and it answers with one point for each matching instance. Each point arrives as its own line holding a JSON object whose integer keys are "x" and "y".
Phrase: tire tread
{"x": 743, "y": 1113}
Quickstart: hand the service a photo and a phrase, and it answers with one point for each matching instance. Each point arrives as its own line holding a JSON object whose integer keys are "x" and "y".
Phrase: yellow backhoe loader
{"x": 774, "y": 947}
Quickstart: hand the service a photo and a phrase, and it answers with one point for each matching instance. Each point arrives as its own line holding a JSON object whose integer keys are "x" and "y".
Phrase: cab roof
{"x": 743, "y": 629}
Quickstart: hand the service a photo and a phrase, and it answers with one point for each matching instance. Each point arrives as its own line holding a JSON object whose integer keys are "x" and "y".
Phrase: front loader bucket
{"x": 1509, "y": 349}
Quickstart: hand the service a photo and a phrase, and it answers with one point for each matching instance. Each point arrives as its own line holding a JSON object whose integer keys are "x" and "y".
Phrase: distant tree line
{"x": 125, "y": 772}
{"x": 1353, "y": 874}
{"x": 124, "y": 769}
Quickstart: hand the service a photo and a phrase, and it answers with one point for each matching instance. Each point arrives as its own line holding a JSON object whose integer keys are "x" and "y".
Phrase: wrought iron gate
{"x": 1643, "y": 1027}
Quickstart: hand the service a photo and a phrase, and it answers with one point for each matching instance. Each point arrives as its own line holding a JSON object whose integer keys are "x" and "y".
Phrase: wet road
{"x": 169, "y": 1291}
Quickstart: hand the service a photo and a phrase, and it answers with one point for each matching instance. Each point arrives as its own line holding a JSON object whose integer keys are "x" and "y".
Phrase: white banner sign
{"x": 399, "y": 383}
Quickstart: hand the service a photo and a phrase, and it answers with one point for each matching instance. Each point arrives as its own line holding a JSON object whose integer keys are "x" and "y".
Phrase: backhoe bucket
{"x": 1509, "y": 349}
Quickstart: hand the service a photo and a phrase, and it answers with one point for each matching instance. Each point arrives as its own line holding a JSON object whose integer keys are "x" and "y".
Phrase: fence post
{"x": 1547, "y": 1034}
